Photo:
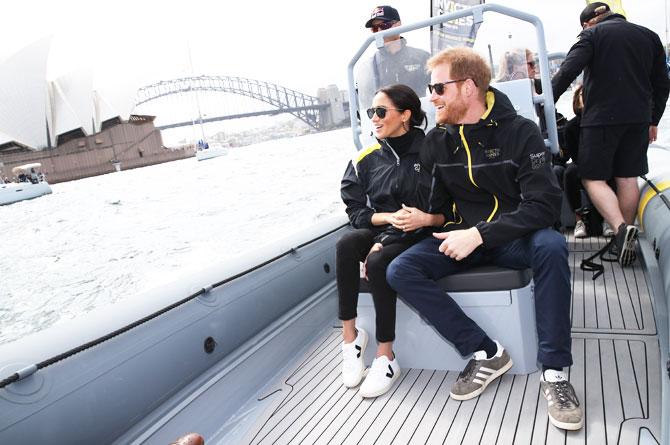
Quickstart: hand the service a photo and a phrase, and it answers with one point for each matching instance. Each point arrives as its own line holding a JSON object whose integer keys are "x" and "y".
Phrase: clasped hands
{"x": 457, "y": 244}
{"x": 407, "y": 219}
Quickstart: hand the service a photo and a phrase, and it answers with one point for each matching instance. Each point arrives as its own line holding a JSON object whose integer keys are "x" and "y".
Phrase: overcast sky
{"x": 300, "y": 44}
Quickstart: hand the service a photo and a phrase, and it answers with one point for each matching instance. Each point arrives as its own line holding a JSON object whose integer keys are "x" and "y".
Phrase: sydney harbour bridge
{"x": 326, "y": 110}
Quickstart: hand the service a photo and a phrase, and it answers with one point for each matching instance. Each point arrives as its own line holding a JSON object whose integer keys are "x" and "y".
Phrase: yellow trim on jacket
{"x": 367, "y": 151}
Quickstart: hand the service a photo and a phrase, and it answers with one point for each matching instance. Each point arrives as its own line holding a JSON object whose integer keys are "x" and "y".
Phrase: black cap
{"x": 593, "y": 10}
{"x": 385, "y": 13}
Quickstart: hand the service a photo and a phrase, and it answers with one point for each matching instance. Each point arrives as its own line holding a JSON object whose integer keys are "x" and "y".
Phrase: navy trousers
{"x": 414, "y": 274}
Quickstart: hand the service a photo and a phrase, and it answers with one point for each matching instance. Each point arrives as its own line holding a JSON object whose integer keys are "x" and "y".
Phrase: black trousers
{"x": 572, "y": 184}
{"x": 352, "y": 248}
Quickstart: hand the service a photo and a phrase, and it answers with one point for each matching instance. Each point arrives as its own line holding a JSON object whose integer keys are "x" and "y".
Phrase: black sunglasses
{"x": 439, "y": 86}
{"x": 382, "y": 26}
{"x": 381, "y": 111}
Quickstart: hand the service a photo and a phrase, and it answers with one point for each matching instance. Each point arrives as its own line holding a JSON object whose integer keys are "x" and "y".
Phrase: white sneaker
{"x": 381, "y": 377}
{"x": 580, "y": 229}
{"x": 607, "y": 230}
{"x": 353, "y": 367}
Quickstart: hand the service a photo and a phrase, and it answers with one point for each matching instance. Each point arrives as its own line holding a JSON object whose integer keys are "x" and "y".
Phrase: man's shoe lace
{"x": 565, "y": 394}
{"x": 468, "y": 374}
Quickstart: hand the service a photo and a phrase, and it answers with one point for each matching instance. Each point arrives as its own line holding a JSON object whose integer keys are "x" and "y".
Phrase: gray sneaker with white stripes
{"x": 562, "y": 403}
{"x": 479, "y": 372}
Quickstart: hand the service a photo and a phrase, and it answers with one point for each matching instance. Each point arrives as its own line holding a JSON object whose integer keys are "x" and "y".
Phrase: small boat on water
{"x": 31, "y": 184}
{"x": 205, "y": 150}
{"x": 249, "y": 351}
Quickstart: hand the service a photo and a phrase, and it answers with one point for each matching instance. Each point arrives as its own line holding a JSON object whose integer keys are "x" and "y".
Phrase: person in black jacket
{"x": 386, "y": 192}
{"x": 626, "y": 87}
{"x": 495, "y": 167}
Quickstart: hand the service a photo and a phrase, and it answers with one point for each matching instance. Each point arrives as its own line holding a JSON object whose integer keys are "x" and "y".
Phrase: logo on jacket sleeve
{"x": 537, "y": 160}
{"x": 417, "y": 167}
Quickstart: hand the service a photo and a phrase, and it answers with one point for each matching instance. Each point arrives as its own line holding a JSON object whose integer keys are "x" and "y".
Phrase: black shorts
{"x": 618, "y": 151}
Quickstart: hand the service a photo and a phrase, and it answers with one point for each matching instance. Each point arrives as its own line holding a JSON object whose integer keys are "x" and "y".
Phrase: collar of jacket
{"x": 498, "y": 107}
{"x": 612, "y": 16}
{"x": 403, "y": 44}
{"x": 405, "y": 144}
{"x": 606, "y": 19}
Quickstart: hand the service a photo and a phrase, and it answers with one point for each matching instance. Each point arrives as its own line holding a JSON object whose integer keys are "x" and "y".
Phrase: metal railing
{"x": 546, "y": 98}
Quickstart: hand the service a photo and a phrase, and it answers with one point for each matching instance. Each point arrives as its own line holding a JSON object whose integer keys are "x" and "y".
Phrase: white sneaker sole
{"x": 627, "y": 255}
{"x": 475, "y": 393}
{"x": 363, "y": 371}
{"x": 566, "y": 426}
{"x": 381, "y": 391}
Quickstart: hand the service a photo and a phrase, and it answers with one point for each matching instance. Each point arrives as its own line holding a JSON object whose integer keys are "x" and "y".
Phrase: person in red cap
{"x": 625, "y": 90}
{"x": 395, "y": 63}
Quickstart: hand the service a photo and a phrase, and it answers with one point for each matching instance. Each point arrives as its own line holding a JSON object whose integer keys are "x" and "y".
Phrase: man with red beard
{"x": 494, "y": 165}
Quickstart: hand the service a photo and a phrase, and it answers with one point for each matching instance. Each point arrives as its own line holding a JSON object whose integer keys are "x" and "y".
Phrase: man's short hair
{"x": 463, "y": 63}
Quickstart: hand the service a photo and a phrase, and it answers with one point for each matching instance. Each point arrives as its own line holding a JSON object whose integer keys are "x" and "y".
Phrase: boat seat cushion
{"x": 480, "y": 279}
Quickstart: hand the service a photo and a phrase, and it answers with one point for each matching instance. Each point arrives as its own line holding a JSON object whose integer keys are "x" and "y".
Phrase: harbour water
{"x": 101, "y": 240}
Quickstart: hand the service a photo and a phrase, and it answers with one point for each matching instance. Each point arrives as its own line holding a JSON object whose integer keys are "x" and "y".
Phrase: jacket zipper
{"x": 397, "y": 158}
{"x": 397, "y": 163}
{"x": 467, "y": 151}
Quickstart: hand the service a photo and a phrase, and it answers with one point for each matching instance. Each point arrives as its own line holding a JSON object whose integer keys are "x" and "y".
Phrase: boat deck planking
{"x": 615, "y": 373}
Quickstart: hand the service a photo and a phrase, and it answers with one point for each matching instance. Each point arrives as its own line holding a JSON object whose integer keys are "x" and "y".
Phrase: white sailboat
{"x": 203, "y": 149}
{"x": 31, "y": 184}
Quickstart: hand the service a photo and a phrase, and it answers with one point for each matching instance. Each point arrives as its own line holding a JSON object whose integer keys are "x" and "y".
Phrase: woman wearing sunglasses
{"x": 517, "y": 64}
{"x": 386, "y": 193}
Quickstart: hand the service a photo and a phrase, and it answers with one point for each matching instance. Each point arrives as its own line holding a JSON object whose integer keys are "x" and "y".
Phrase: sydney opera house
{"x": 71, "y": 127}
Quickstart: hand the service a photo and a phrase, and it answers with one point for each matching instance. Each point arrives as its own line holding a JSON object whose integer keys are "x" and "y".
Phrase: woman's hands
{"x": 409, "y": 219}
{"x": 396, "y": 219}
